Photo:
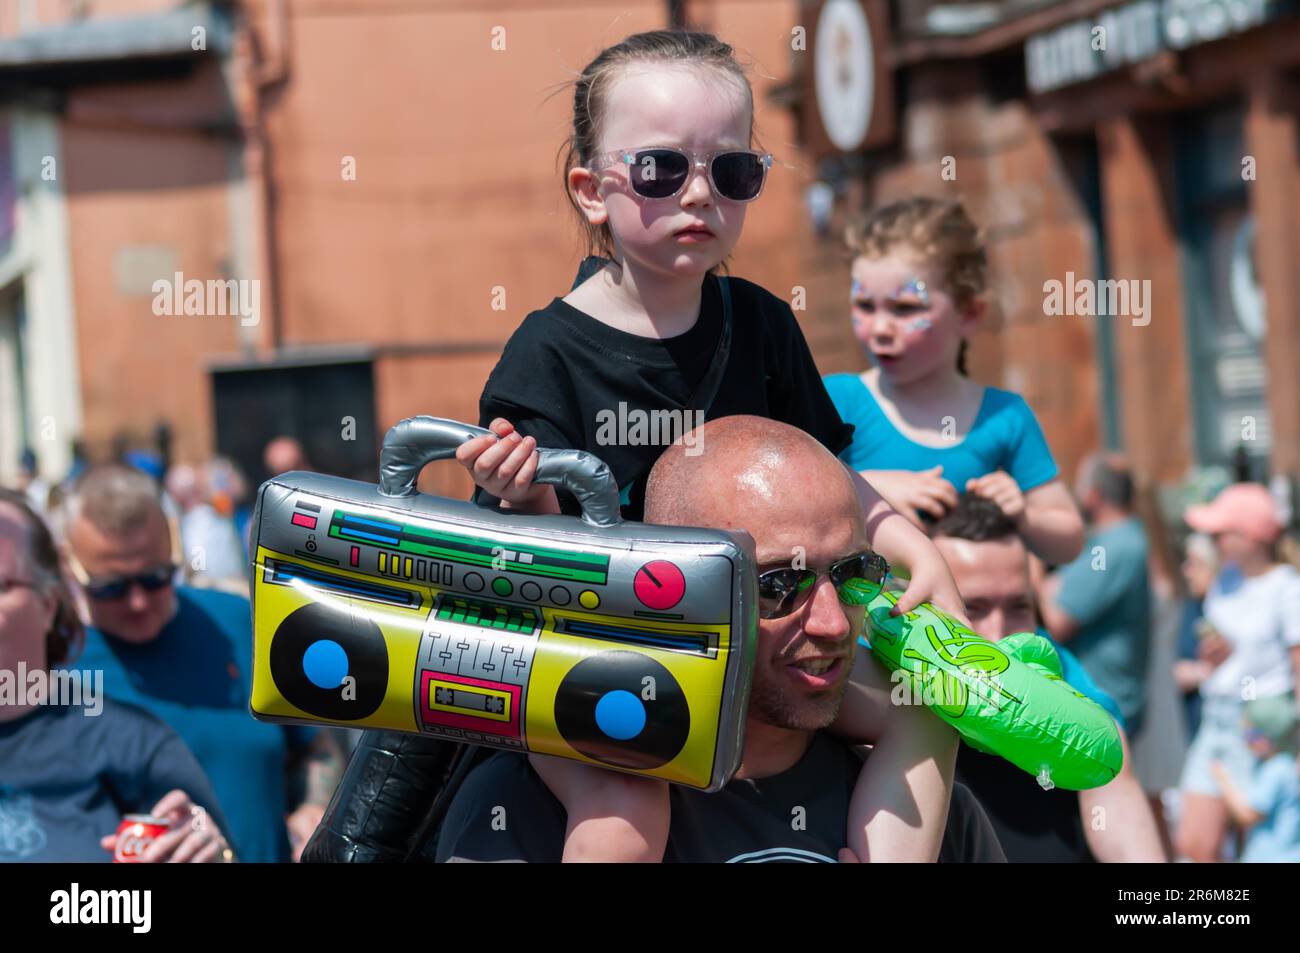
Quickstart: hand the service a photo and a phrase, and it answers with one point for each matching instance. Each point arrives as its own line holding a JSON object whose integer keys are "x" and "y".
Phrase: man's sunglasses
{"x": 116, "y": 587}
{"x": 661, "y": 172}
{"x": 857, "y": 580}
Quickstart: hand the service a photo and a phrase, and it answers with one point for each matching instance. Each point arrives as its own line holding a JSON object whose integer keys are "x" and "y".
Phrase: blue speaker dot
{"x": 620, "y": 715}
{"x": 325, "y": 664}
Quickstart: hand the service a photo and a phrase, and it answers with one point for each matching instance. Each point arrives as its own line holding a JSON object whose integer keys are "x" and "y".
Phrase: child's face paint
{"x": 910, "y": 327}
{"x": 909, "y": 298}
{"x": 913, "y": 295}
{"x": 913, "y": 288}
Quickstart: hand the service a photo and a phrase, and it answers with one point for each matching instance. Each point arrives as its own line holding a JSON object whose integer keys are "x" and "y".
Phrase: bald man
{"x": 1112, "y": 823}
{"x": 790, "y": 798}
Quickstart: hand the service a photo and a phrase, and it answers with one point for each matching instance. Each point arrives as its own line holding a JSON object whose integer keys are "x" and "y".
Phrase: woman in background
{"x": 1251, "y": 645}
{"x": 69, "y": 772}
{"x": 1200, "y": 566}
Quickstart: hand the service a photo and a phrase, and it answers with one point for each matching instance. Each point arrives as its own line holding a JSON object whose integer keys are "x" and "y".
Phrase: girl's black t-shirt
{"x": 573, "y": 382}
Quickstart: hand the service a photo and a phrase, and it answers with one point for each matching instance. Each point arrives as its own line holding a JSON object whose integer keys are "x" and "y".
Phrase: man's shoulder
{"x": 225, "y": 605}
{"x": 502, "y": 812}
{"x": 1122, "y": 545}
{"x": 1128, "y": 536}
{"x": 94, "y": 649}
{"x": 205, "y": 610}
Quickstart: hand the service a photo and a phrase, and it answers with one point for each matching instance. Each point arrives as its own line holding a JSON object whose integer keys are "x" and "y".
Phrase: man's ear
{"x": 584, "y": 185}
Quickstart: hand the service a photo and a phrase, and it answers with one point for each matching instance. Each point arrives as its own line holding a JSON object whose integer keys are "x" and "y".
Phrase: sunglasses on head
{"x": 115, "y": 587}
{"x": 857, "y": 580}
{"x": 661, "y": 172}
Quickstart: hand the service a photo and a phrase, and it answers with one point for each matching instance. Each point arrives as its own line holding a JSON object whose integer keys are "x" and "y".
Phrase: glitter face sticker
{"x": 913, "y": 288}
{"x": 914, "y": 293}
{"x": 854, "y": 294}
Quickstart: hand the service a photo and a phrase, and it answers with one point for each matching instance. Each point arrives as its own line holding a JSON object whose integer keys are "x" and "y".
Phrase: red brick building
{"x": 1133, "y": 141}
{"x": 387, "y": 172}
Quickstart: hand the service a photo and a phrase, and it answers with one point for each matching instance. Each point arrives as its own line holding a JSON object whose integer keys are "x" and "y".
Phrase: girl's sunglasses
{"x": 857, "y": 579}
{"x": 662, "y": 172}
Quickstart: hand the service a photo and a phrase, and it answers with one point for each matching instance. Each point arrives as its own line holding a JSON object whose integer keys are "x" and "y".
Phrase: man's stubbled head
{"x": 799, "y": 504}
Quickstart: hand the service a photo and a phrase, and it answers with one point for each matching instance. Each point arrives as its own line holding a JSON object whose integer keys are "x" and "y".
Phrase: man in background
{"x": 1100, "y": 604}
{"x": 1112, "y": 823}
{"x": 284, "y": 454}
{"x": 186, "y": 656}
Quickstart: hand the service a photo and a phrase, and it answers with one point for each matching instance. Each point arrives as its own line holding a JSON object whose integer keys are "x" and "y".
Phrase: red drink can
{"x": 134, "y": 834}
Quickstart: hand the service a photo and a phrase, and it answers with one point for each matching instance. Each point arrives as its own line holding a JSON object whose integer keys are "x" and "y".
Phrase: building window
{"x": 329, "y": 408}
{"x": 1081, "y": 161}
{"x": 1224, "y": 311}
{"x": 8, "y": 187}
{"x": 14, "y": 403}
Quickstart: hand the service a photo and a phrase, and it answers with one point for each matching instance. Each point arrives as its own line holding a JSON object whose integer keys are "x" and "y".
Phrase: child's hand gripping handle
{"x": 415, "y": 441}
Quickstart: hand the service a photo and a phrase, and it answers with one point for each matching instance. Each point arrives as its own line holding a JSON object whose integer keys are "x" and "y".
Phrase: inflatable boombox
{"x": 621, "y": 644}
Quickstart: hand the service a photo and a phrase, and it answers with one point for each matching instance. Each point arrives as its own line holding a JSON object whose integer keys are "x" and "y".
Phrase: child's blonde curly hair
{"x": 937, "y": 231}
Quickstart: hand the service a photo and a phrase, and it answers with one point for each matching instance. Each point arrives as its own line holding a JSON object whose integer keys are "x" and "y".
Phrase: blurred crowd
{"x": 140, "y": 572}
{"x": 209, "y": 503}
{"x": 133, "y": 576}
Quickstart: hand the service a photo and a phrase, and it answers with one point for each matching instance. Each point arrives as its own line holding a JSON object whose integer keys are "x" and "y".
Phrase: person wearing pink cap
{"x": 1250, "y": 649}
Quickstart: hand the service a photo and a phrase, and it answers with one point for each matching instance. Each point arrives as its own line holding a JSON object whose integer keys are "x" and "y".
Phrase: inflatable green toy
{"x": 1005, "y": 698}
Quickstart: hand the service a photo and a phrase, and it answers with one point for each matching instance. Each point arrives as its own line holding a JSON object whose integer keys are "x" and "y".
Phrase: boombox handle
{"x": 415, "y": 441}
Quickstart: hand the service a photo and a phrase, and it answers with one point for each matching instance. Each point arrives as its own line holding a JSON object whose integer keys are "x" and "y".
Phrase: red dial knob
{"x": 659, "y": 584}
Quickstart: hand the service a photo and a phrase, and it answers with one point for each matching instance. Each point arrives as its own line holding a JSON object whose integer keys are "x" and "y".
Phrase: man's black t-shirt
{"x": 504, "y": 812}
{"x": 1033, "y": 825}
{"x": 573, "y": 382}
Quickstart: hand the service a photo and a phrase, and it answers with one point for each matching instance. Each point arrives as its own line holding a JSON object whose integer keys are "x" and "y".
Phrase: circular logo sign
{"x": 844, "y": 70}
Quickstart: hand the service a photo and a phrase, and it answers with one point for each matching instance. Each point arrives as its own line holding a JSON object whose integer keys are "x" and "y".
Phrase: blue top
{"x": 196, "y": 677}
{"x": 1004, "y": 436}
{"x": 1106, "y": 590}
{"x": 1275, "y": 792}
{"x": 68, "y": 777}
{"x": 1077, "y": 677}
